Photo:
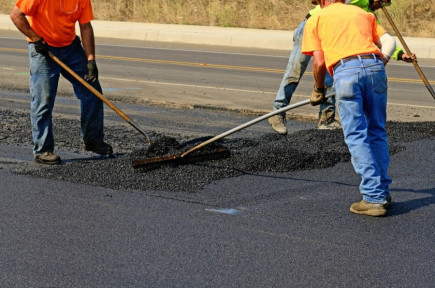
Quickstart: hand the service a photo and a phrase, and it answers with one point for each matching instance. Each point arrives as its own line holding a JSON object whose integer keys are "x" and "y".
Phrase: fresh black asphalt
{"x": 93, "y": 222}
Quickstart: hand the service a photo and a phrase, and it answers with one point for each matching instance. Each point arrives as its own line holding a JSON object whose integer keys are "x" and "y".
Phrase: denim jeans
{"x": 44, "y": 79}
{"x": 297, "y": 64}
{"x": 361, "y": 92}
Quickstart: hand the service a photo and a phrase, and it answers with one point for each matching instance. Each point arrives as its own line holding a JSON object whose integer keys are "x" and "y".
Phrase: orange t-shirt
{"x": 55, "y": 20}
{"x": 341, "y": 31}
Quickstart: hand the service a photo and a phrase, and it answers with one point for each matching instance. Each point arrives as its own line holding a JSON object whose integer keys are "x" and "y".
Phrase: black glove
{"x": 41, "y": 47}
{"x": 92, "y": 75}
{"x": 317, "y": 96}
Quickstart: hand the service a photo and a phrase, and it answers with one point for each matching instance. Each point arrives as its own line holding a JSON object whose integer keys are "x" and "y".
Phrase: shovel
{"x": 182, "y": 158}
{"x": 417, "y": 67}
{"x": 99, "y": 95}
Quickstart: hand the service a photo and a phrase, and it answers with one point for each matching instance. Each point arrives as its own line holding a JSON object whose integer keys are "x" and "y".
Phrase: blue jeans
{"x": 361, "y": 92}
{"x": 297, "y": 64}
{"x": 44, "y": 79}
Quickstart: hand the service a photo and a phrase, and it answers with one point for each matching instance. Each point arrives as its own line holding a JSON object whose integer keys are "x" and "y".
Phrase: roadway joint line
{"x": 216, "y": 66}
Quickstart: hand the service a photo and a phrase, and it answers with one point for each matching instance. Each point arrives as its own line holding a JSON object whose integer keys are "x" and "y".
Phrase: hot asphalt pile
{"x": 268, "y": 153}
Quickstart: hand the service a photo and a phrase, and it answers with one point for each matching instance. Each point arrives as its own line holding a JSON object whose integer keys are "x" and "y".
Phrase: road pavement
{"x": 258, "y": 229}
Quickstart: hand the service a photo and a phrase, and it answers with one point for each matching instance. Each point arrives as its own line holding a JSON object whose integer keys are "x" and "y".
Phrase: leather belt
{"x": 365, "y": 56}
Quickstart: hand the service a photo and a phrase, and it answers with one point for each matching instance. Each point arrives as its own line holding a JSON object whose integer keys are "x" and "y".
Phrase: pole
{"x": 417, "y": 67}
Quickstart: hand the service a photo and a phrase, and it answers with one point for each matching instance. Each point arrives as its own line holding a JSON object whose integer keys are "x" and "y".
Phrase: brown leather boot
{"x": 48, "y": 158}
{"x": 278, "y": 124}
{"x": 370, "y": 209}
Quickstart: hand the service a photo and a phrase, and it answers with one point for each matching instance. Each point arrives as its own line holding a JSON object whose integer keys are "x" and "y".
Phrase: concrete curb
{"x": 231, "y": 37}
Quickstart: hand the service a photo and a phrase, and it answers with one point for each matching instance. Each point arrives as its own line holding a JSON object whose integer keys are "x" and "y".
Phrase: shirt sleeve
{"x": 87, "y": 12}
{"x": 314, "y": 10}
{"x": 378, "y": 31}
{"x": 311, "y": 41}
{"x": 28, "y": 7}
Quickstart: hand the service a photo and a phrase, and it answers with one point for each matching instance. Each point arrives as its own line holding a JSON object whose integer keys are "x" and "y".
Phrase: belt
{"x": 365, "y": 56}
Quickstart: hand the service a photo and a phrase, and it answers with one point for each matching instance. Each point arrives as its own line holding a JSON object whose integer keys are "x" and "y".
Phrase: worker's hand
{"x": 41, "y": 47}
{"x": 317, "y": 96}
{"x": 92, "y": 75}
{"x": 409, "y": 58}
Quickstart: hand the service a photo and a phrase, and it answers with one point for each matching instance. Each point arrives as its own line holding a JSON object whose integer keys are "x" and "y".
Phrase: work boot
{"x": 327, "y": 120}
{"x": 370, "y": 209}
{"x": 334, "y": 124}
{"x": 48, "y": 158}
{"x": 278, "y": 124}
{"x": 101, "y": 148}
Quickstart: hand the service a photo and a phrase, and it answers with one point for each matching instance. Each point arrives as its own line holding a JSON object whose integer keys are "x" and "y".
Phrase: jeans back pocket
{"x": 346, "y": 83}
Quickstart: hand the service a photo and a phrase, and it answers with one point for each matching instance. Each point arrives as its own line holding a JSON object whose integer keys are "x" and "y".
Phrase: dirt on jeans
{"x": 267, "y": 153}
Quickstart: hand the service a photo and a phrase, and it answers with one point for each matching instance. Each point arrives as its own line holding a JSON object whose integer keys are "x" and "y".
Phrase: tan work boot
{"x": 278, "y": 124}
{"x": 329, "y": 126}
{"x": 370, "y": 209}
{"x": 327, "y": 121}
{"x": 48, "y": 158}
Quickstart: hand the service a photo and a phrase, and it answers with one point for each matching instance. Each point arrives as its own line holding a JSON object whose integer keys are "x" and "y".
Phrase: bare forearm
{"x": 319, "y": 69}
{"x": 88, "y": 40}
{"x": 20, "y": 21}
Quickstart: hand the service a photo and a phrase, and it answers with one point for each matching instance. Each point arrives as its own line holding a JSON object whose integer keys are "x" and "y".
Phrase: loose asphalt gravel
{"x": 302, "y": 150}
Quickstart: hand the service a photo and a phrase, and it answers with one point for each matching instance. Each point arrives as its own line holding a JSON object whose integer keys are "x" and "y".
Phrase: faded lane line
{"x": 215, "y": 66}
{"x": 234, "y": 90}
{"x": 14, "y": 50}
{"x": 194, "y": 64}
{"x": 185, "y": 85}
{"x": 215, "y": 88}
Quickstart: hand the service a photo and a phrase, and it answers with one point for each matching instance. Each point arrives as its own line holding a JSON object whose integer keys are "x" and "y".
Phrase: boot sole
{"x": 279, "y": 132}
{"x": 39, "y": 161}
{"x": 98, "y": 152}
{"x": 373, "y": 212}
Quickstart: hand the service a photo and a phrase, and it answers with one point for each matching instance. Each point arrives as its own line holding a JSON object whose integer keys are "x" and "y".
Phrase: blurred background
{"x": 413, "y": 18}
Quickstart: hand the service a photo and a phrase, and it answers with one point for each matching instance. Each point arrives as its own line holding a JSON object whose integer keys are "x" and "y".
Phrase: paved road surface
{"x": 257, "y": 230}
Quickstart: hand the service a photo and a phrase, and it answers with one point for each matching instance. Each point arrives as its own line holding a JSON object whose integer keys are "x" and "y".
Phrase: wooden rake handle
{"x": 417, "y": 67}
{"x": 250, "y": 123}
{"x": 99, "y": 95}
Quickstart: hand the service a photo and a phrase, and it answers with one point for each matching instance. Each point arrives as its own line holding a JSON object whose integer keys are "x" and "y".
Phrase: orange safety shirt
{"x": 341, "y": 31}
{"x": 55, "y": 20}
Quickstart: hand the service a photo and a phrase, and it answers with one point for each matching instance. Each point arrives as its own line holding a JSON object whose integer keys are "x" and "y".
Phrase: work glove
{"x": 92, "y": 75}
{"x": 41, "y": 47}
{"x": 317, "y": 96}
{"x": 407, "y": 58}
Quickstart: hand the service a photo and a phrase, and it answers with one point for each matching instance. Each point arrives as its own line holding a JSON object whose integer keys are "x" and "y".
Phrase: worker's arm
{"x": 319, "y": 73}
{"x": 20, "y": 21}
{"x": 88, "y": 40}
{"x": 387, "y": 44}
{"x": 22, "y": 24}
{"x": 319, "y": 69}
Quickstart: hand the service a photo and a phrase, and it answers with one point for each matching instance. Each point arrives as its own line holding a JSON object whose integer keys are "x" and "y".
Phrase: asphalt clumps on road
{"x": 269, "y": 153}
